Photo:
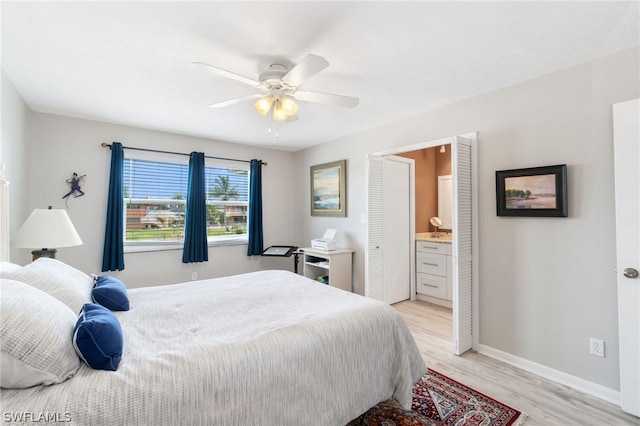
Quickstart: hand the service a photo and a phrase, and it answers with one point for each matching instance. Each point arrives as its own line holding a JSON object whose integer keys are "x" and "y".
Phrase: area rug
{"x": 441, "y": 401}
{"x": 438, "y": 397}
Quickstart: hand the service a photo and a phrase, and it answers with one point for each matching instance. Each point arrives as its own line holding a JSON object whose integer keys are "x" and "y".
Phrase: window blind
{"x": 155, "y": 196}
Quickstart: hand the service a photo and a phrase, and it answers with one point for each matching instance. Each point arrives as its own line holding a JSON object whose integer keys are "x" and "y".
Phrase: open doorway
{"x": 463, "y": 251}
{"x": 433, "y": 223}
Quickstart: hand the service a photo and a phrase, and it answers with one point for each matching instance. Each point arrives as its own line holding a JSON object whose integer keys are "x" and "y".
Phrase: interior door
{"x": 626, "y": 125}
{"x": 462, "y": 247}
{"x": 398, "y": 212}
{"x": 389, "y": 261}
{"x": 374, "y": 257}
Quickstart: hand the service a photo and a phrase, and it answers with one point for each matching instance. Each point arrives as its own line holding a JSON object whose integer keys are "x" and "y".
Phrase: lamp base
{"x": 50, "y": 253}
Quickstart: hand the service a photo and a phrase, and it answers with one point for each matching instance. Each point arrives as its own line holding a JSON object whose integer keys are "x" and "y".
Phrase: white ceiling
{"x": 131, "y": 62}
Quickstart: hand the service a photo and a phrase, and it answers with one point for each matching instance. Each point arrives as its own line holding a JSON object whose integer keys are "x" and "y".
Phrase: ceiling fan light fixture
{"x": 289, "y": 106}
{"x": 284, "y": 108}
{"x": 264, "y": 105}
{"x": 278, "y": 111}
{"x": 279, "y": 85}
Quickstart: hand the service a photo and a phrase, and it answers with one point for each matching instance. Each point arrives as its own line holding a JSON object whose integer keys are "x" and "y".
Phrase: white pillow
{"x": 67, "y": 284}
{"x": 8, "y": 266}
{"x": 35, "y": 337}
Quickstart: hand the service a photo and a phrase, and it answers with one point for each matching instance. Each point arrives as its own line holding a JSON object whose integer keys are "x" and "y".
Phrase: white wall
{"x": 14, "y": 149}
{"x": 62, "y": 146}
{"x": 546, "y": 284}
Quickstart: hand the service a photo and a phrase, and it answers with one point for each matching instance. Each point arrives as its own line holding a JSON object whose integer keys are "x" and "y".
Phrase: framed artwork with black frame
{"x": 329, "y": 189}
{"x": 535, "y": 191}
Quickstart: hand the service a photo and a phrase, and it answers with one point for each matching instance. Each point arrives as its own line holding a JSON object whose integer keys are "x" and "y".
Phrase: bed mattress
{"x": 264, "y": 348}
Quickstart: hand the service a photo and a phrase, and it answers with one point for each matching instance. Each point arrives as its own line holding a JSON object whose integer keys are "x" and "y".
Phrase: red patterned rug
{"x": 441, "y": 401}
{"x": 438, "y": 397}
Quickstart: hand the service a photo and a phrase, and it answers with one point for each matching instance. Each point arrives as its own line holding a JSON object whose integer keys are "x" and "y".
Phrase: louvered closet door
{"x": 374, "y": 260}
{"x": 462, "y": 245}
{"x": 398, "y": 228}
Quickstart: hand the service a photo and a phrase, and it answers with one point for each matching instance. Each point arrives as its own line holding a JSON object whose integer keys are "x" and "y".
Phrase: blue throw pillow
{"x": 97, "y": 338}
{"x": 111, "y": 293}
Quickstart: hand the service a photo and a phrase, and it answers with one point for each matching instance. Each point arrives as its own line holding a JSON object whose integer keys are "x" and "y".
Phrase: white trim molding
{"x": 557, "y": 376}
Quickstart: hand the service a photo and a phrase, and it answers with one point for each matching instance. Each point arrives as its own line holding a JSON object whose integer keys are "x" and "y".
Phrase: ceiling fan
{"x": 279, "y": 86}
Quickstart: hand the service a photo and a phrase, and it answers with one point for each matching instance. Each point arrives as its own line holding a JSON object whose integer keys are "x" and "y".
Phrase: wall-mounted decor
{"x": 74, "y": 187}
{"x": 536, "y": 191}
{"x": 329, "y": 189}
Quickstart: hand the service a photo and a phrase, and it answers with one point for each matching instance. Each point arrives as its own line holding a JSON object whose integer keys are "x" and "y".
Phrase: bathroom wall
{"x": 429, "y": 164}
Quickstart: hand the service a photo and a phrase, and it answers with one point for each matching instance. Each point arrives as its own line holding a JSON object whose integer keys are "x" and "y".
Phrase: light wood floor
{"x": 545, "y": 402}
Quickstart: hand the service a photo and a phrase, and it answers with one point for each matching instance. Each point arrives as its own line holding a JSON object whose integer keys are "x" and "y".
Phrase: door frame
{"x": 473, "y": 137}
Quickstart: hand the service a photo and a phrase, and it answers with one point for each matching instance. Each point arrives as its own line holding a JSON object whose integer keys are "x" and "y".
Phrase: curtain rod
{"x": 105, "y": 145}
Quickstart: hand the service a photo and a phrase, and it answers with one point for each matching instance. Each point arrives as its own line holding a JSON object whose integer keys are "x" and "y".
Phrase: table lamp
{"x": 47, "y": 228}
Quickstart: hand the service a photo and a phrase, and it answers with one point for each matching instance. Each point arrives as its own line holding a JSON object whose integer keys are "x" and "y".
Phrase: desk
{"x": 335, "y": 265}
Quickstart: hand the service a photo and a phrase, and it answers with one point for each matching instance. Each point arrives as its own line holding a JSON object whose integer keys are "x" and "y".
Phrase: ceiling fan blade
{"x": 327, "y": 98}
{"x": 307, "y": 68}
{"x": 235, "y": 100}
{"x": 228, "y": 74}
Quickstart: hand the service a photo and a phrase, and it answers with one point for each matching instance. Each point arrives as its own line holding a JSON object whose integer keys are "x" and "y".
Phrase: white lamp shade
{"x": 47, "y": 228}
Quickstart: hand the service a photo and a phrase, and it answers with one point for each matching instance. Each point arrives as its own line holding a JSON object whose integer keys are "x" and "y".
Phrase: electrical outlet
{"x": 194, "y": 276}
{"x": 596, "y": 347}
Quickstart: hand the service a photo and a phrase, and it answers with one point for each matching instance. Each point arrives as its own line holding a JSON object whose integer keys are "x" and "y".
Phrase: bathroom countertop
{"x": 429, "y": 236}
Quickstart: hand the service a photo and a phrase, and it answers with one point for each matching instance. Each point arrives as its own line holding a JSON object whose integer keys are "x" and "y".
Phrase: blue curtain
{"x": 255, "y": 209}
{"x": 113, "y": 254}
{"x": 196, "y": 248}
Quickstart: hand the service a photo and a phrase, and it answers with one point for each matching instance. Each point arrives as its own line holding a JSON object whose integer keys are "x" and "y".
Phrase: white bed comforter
{"x": 264, "y": 348}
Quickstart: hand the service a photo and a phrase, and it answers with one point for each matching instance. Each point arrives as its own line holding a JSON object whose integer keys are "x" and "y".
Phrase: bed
{"x": 263, "y": 348}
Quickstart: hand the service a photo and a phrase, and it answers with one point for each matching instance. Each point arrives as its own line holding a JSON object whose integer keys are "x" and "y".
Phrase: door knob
{"x": 630, "y": 273}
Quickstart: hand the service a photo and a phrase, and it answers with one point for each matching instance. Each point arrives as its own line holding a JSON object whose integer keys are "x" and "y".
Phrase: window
{"x": 155, "y": 194}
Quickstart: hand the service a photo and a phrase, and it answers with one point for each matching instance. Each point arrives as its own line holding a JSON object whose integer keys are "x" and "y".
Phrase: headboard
{"x": 4, "y": 216}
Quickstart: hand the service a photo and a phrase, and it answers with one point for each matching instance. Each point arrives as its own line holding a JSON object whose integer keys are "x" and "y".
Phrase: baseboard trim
{"x": 574, "y": 382}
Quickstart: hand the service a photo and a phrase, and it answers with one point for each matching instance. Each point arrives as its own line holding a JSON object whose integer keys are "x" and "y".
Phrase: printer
{"x": 327, "y": 242}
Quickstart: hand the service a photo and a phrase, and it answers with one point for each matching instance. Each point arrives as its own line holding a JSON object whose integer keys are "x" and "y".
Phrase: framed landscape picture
{"x": 329, "y": 189}
{"x": 536, "y": 191}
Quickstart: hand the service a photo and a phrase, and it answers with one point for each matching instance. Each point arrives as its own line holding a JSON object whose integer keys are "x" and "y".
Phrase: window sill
{"x": 150, "y": 246}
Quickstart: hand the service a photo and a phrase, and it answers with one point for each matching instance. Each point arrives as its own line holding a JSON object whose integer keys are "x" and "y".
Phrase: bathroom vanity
{"x": 434, "y": 268}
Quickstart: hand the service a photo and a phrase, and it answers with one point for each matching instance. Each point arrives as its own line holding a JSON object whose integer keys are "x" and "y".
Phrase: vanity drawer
{"x": 428, "y": 247}
{"x": 428, "y": 263}
{"x": 432, "y": 285}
